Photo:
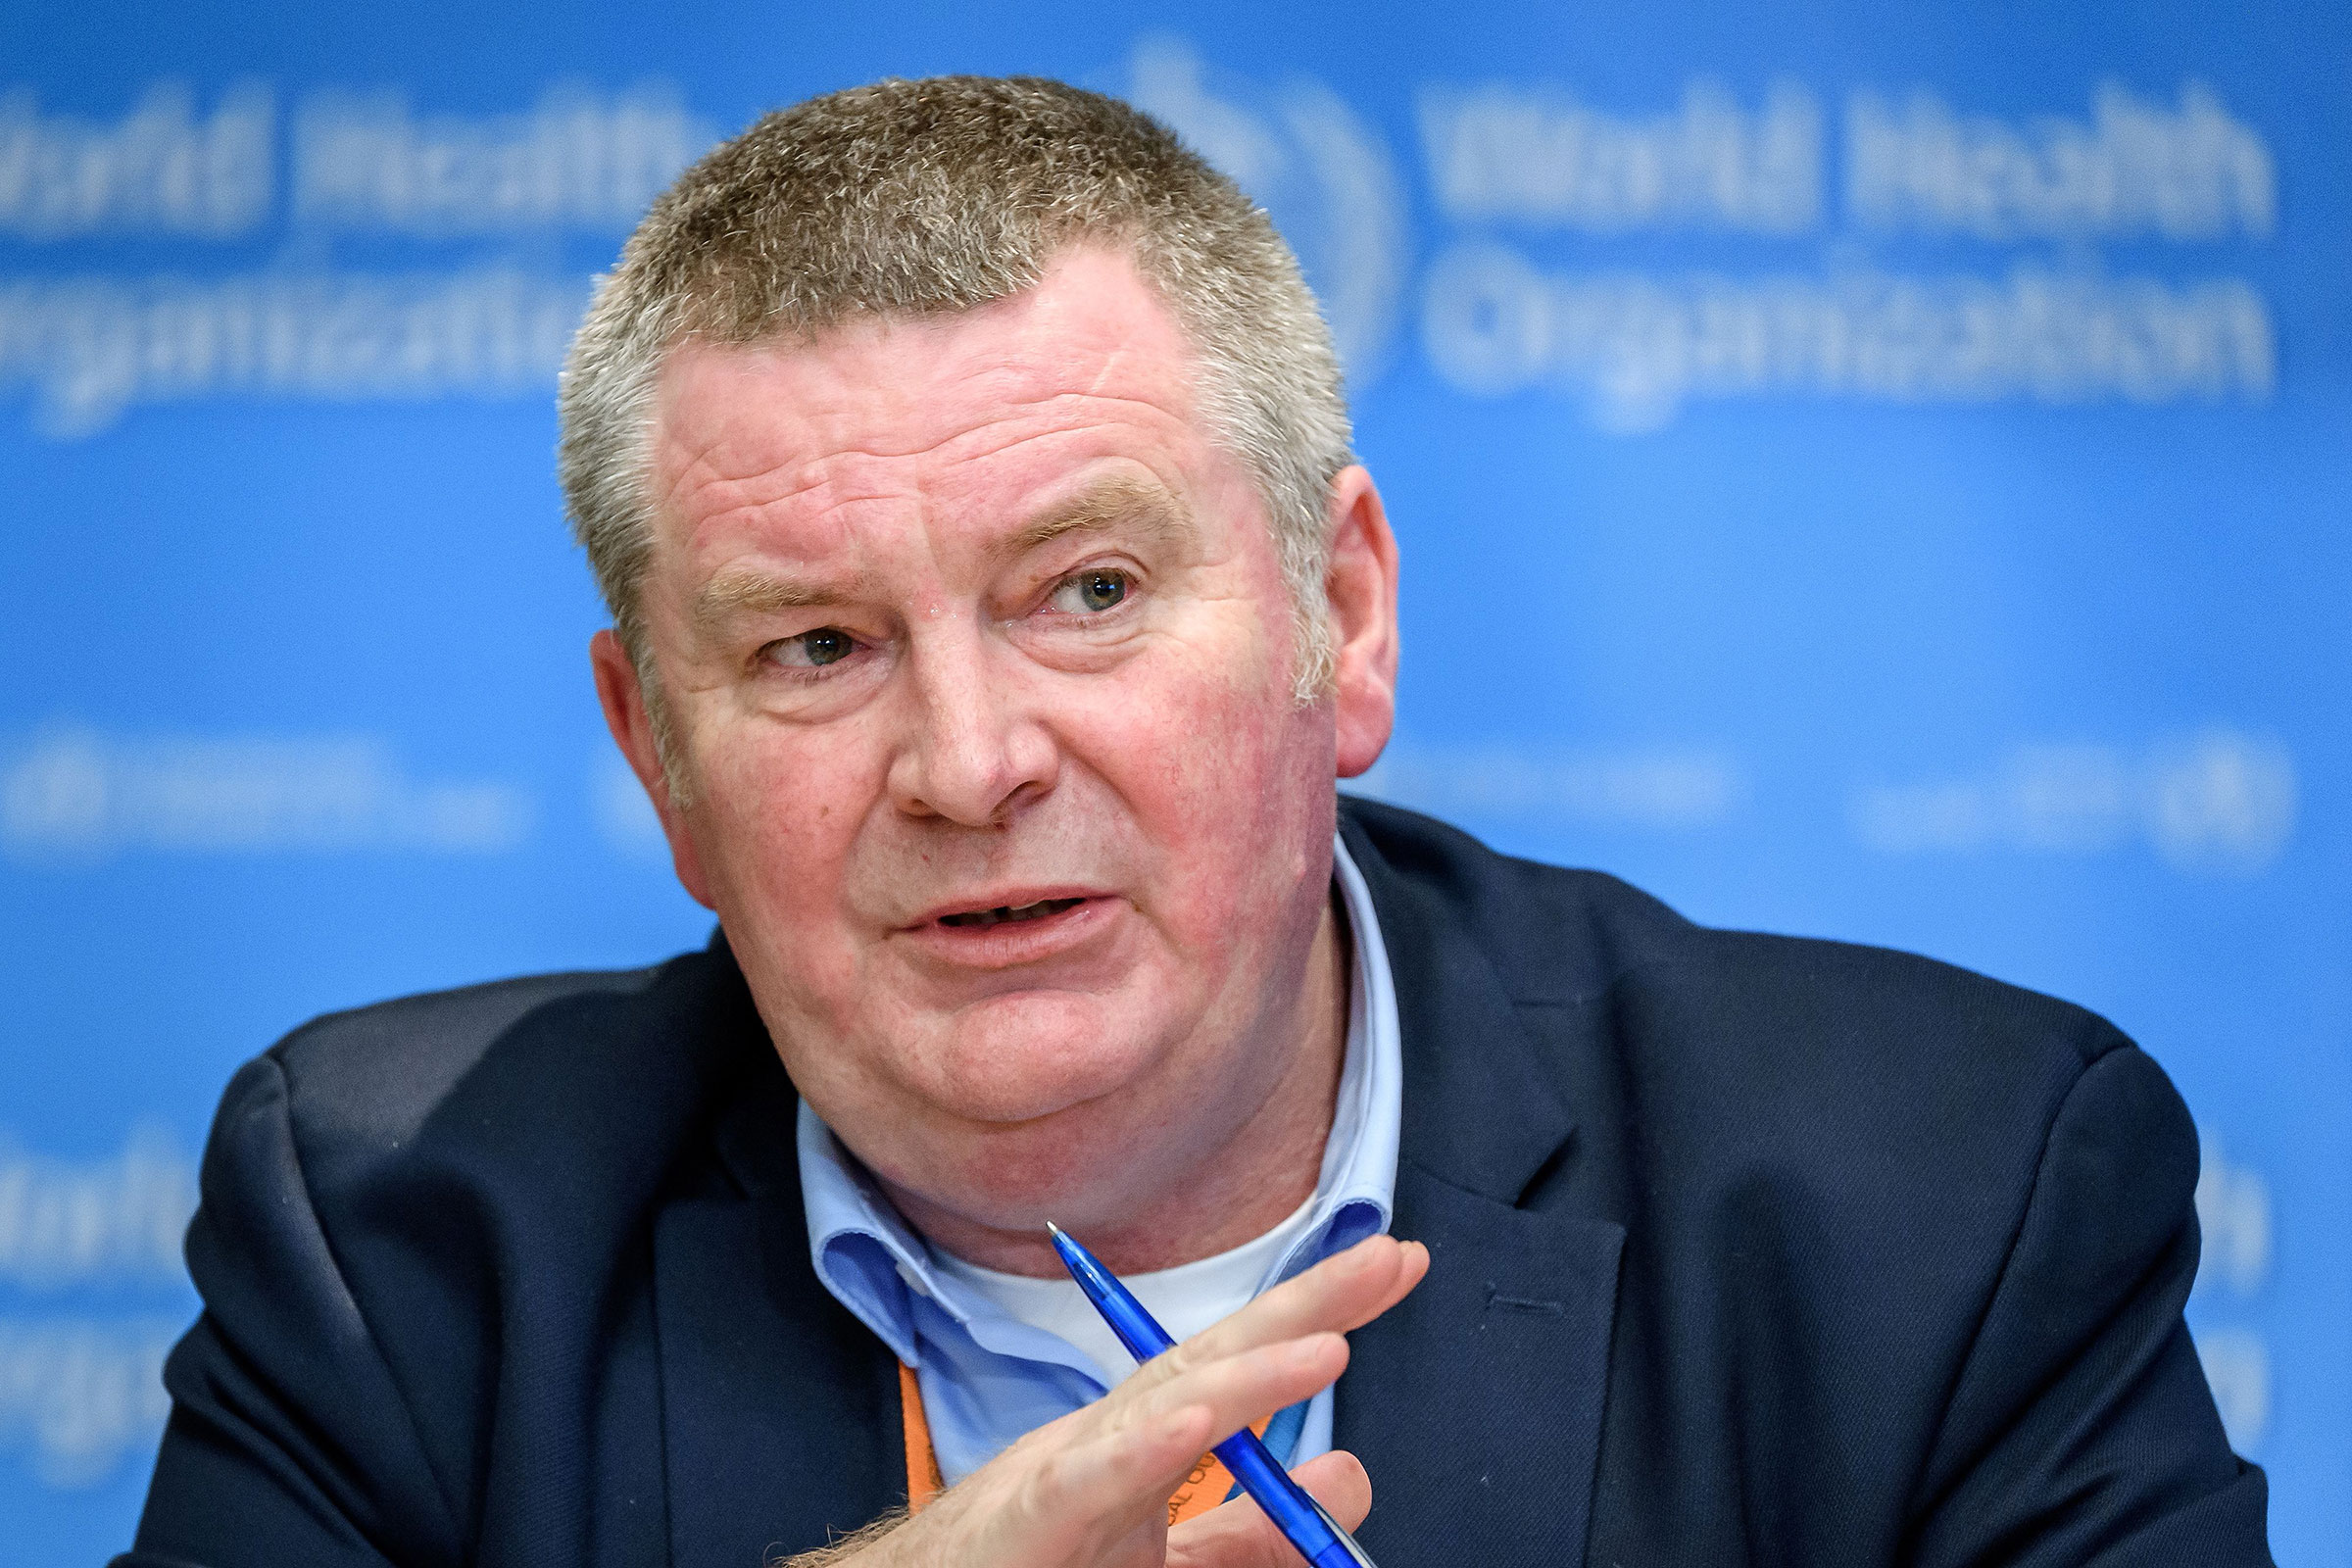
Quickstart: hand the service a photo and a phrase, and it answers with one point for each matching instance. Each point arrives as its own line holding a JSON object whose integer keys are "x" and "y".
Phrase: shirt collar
{"x": 875, "y": 1264}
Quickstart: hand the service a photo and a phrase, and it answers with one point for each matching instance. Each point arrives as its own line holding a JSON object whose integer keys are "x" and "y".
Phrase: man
{"x": 996, "y": 605}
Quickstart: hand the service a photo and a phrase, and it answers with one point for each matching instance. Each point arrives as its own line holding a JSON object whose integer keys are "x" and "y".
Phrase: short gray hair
{"x": 912, "y": 198}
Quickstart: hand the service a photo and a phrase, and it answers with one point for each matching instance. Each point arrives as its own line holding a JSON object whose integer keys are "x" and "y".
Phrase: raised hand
{"x": 1091, "y": 1490}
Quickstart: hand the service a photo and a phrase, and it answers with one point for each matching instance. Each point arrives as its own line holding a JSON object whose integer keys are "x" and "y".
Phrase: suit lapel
{"x": 780, "y": 1410}
{"x": 1477, "y": 1403}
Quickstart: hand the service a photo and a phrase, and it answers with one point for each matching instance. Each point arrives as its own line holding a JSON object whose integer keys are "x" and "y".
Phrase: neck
{"x": 1230, "y": 1193}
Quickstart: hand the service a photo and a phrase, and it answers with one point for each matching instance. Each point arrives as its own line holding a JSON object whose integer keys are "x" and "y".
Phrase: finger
{"x": 1339, "y": 1482}
{"x": 1239, "y": 1534}
{"x": 1239, "y": 1388}
{"x": 1344, "y": 1291}
{"x": 1111, "y": 1473}
{"x": 1341, "y": 1293}
{"x": 1063, "y": 1497}
{"x": 1332, "y": 1296}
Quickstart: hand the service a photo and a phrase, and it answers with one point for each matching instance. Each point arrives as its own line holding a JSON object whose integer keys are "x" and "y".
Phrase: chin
{"x": 1029, "y": 1056}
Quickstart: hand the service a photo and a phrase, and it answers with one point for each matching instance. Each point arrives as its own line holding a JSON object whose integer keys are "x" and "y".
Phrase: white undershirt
{"x": 1186, "y": 1299}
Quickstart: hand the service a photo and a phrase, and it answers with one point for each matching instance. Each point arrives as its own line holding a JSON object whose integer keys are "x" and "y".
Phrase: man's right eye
{"x": 810, "y": 650}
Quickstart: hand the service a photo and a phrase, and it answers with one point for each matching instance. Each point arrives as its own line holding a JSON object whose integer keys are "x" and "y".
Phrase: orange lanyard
{"x": 1202, "y": 1488}
{"x": 923, "y": 1480}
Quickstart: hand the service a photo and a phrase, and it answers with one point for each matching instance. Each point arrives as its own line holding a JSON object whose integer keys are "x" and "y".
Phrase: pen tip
{"x": 1053, "y": 1228}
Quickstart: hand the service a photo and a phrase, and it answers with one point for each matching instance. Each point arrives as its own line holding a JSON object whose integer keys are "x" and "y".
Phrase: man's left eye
{"x": 1089, "y": 593}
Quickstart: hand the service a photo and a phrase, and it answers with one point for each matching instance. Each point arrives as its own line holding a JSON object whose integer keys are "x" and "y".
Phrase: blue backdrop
{"x": 1874, "y": 470}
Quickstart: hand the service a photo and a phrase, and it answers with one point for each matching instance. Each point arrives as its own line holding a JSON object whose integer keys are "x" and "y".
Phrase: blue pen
{"x": 1300, "y": 1517}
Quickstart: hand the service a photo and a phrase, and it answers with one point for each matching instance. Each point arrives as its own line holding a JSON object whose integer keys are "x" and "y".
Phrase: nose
{"x": 974, "y": 755}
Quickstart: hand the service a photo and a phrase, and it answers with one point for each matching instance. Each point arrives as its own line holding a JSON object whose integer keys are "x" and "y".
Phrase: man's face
{"x": 980, "y": 664}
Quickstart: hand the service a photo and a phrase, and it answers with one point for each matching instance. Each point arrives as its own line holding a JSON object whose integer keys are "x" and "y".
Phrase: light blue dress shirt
{"x": 986, "y": 1378}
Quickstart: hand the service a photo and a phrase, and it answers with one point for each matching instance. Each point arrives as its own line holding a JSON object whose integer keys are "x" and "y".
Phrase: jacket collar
{"x": 1476, "y": 1404}
{"x": 780, "y": 1412}
{"x": 1466, "y": 1052}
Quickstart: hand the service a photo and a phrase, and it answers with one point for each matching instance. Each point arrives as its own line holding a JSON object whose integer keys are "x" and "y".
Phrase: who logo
{"x": 1322, "y": 172}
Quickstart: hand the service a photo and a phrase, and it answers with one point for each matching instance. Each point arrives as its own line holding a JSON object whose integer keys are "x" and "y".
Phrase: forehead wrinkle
{"x": 736, "y": 503}
{"x": 747, "y": 493}
{"x": 704, "y": 493}
{"x": 986, "y": 433}
{"x": 1154, "y": 411}
{"x": 725, "y": 477}
{"x": 1015, "y": 384}
{"x": 700, "y": 471}
{"x": 746, "y": 489}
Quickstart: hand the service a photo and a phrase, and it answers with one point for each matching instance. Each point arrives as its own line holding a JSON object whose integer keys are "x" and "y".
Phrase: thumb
{"x": 1239, "y": 1534}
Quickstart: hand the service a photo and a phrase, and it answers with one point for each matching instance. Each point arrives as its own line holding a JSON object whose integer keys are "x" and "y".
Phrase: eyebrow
{"x": 1108, "y": 507}
{"x": 740, "y": 590}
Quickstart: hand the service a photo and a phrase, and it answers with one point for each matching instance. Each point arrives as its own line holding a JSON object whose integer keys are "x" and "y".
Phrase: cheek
{"x": 774, "y": 818}
{"x": 1230, "y": 781}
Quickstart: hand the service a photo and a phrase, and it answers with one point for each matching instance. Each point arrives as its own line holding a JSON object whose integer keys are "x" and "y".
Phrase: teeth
{"x": 983, "y": 918}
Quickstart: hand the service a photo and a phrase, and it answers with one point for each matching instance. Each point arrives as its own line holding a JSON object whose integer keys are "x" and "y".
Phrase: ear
{"x": 622, "y": 697}
{"x": 1362, "y": 585}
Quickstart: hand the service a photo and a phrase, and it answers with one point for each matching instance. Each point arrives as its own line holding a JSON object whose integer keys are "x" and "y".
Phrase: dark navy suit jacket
{"x": 1747, "y": 1250}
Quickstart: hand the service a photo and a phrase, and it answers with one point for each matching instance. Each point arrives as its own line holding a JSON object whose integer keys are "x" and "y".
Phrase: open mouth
{"x": 977, "y": 918}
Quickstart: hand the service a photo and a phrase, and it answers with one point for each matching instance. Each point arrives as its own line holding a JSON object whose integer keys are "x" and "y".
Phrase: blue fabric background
{"x": 1866, "y": 471}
